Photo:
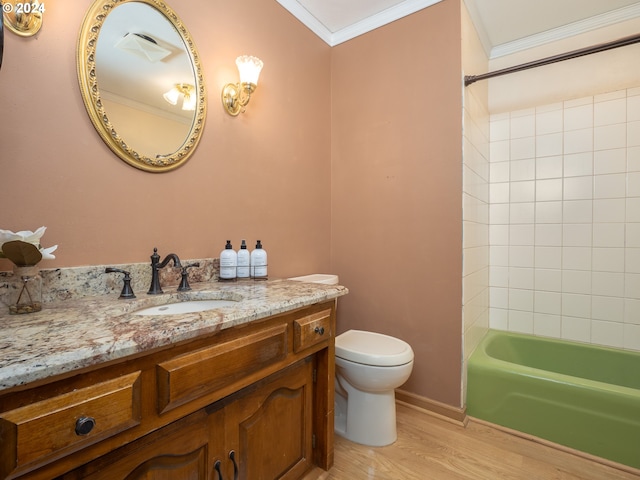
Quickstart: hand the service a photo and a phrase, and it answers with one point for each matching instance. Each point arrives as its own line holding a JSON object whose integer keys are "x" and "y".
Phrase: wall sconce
{"x": 236, "y": 96}
{"x": 23, "y": 18}
{"x": 186, "y": 91}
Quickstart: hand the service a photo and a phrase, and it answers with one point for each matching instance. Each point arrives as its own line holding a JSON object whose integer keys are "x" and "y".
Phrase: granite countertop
{"x": 72, "y": 334}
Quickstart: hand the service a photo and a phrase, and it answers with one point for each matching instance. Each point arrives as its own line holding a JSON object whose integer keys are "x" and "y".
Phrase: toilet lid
{"x": 370, "y": 348}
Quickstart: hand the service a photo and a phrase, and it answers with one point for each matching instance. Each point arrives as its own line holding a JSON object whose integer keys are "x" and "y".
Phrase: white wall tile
{"x": 548, "y": 145}
{"x": 499, "y": 151}
{"x": 632, "y": 337}
{"x": 548, "y": 212}
{"x": 578, "y": 211}
{"x": 633, "y": 134}
{"x": 576, "y": 305}
{"x": 610, "y": 112}
{"x": 632, "y": 311}
{"x": 547, "y": 325}
{"x": 607, "y": 308}
{"x": 578, "y": 164}
{"x": 607, "y": 333}
{"x": 522, "y": 212}
{"x": 576, "y": 235}
{"x": 520, "y": 256}
{"x": 520, "y": 299}
{"x": 578, "y": 117}
{"x": 576, "y": 141}
{"x": 548, "y": 302}
{"x": 633, "y": 108}
{"x": 498, "y": 128}
{"x": 499, "y": 256}
{"x": 548, "y": 257}
{"x": 523, "y": 191}
{"x": 549, "y": 280}
{"x": 499, "y": 172}
{"x": 609, "y": 186}
{"x": 632, "y": 260}
{"x": 576, "y": 281}
{"x": 610, "y": 136}
{"x": 551, "y": 121}
{"x": 632, "y": 285}
{"x": 608, "y": 284}
{"x": 576, "y": 258}
{"x": 632, "y": 235}
{"x": 633, "y": 184}
{"x": 576, "y": 329}
{"x": 549, "y": 167}
{"x": 610, "y": 210}
{"x": 521, "y": 148}
{"x": 521, "y": 278}
{"x": 499, "y": 193}
{"x": 499, "y": 234}
{"x": 499, "y": 318}
{"x": 523, "y": 125}
{"x": 577, "y": 188}
{"x": 632, "y": 210}
{"x": 608, "y": 234}
{"x": 548, "y": 234}
{"x": 521, "y": 234}
{"x": 608, "y": 260}
{"x": 498, "y": 276}
{"x": 520, "y": 322}
{"x": 633, "y": 158}
{"x": 499, "y": 297}
{"x": 499, "y": 214}
{"x": 610, "y": 161}
{"x": 523, "y": 170}
{"x": 548, "y": 190}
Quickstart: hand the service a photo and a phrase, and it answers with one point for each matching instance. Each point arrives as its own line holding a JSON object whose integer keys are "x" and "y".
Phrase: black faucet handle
{"x": 184, "y": 282}
{"x": 127, "y": 291}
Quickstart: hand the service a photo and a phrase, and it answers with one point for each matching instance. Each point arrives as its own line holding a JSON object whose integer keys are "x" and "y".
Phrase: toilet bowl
{"x": 369, "y": 367}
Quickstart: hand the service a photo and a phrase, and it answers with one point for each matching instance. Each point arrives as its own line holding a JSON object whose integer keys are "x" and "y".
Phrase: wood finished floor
{"x": 429, "y": 448}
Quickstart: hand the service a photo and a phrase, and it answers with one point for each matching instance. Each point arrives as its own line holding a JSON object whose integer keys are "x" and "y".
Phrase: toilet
{"x": 369, "y": 367}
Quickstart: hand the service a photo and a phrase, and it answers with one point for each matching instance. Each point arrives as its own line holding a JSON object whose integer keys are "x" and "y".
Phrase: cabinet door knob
{"x": 216, "y": 466}
{"x": 319, "y": 330}
{"x": 84, "y": 425}
{"x": 232, "y": 456}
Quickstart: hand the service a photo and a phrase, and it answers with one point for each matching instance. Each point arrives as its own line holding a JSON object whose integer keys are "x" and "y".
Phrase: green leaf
{"x": 21, "y": 253}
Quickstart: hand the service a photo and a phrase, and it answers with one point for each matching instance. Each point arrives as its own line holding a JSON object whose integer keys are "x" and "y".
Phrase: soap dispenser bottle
{"x": 244, "y": 261}
{"x": 259, "y": 262}
{"x": 228, "y": 262}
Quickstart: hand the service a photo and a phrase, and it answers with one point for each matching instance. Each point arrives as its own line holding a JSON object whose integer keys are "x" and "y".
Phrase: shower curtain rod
{"x": 469, "y": 79}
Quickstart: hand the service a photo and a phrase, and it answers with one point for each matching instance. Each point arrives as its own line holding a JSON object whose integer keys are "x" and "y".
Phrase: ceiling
{"x": 504, "y": 26}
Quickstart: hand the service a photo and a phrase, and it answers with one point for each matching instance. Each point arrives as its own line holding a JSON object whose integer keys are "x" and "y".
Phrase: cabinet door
{"x": 178, "y": 451}
{"x": 269, "y": 427}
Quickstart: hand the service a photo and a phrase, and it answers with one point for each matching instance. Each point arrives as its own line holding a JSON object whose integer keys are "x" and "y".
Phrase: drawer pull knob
{"x": 217, "y": 466}
{"x": 232, "y": 456}
{"x": 84, "y": 425}
{"x": 319, "y": 330}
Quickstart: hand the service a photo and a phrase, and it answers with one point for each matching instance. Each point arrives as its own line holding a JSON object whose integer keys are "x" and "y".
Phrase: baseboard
{"x": 446, "y": 412}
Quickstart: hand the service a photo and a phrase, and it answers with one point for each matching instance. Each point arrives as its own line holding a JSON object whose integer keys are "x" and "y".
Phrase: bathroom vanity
{"x": 91, "y": 389}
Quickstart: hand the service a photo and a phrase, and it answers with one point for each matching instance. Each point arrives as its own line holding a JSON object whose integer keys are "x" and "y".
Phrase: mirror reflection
{"x": 147, "y": 97}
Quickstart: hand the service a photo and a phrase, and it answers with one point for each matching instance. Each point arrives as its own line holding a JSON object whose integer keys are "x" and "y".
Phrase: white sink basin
{"x": 186, "y": 307}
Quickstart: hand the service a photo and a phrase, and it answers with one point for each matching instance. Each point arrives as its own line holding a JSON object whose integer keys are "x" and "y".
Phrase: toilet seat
{"x": 370, "y": 348}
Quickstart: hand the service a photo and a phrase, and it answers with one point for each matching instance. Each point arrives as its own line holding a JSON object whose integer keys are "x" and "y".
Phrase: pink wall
{"x": 355, "y": 150}
{"x": 396, "y": 190}
{"x": 263, "y": 175}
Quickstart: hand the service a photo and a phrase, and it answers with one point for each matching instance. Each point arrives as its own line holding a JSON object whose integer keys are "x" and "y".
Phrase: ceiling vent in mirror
{"x": 143, "y": 46}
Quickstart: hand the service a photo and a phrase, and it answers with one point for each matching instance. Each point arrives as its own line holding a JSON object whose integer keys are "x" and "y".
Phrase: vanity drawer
{"x": 194, "y": 375}
{"x": 311, "y": 330}
{"x": 49, "y": 428}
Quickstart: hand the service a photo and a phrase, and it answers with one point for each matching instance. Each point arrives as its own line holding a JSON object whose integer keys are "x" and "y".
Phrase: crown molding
{"x": 366, "y": 25}
{"x": 566, "y": 31}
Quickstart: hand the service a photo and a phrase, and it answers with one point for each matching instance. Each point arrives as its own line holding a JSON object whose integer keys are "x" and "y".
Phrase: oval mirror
{"x": 141, "y": 82}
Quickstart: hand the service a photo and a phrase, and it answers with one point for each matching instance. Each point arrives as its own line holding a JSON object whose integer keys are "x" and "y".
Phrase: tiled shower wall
{"x": 564, "y": 214}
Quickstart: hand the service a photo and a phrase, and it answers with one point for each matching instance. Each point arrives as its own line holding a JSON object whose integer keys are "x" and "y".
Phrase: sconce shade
{"x": 236, "y": 96}
{"x": 186, "y": 91}
{"x": 249, "y": 68}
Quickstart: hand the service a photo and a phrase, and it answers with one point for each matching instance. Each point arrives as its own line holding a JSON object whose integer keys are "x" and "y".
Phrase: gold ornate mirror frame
{"x": 86, "y": 69}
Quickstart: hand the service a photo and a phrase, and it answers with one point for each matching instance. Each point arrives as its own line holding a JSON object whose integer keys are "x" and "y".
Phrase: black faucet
{"x": 156, "y": 265}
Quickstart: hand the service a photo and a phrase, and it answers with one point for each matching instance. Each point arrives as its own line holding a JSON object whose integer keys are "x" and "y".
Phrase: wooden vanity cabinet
{"x": 253, "y": 402}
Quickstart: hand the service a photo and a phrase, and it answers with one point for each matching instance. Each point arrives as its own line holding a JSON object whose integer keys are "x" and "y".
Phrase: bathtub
{"x": 578, "y": 395}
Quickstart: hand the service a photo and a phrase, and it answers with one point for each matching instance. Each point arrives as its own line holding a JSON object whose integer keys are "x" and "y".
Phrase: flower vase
{"x": 26, "y": 290}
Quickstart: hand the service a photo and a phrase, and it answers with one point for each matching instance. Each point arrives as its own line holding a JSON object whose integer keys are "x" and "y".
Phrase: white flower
{"x": 28, "y": 237}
